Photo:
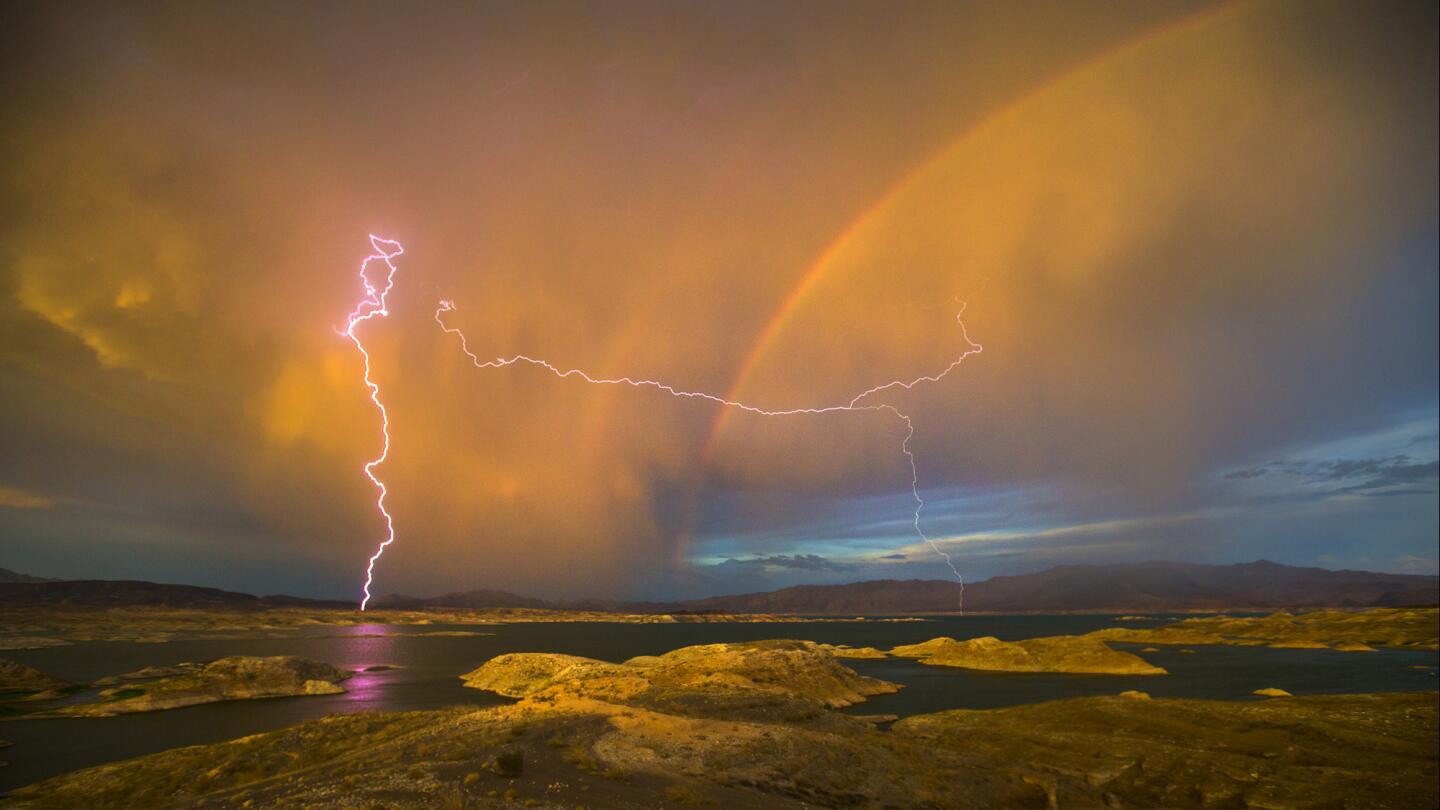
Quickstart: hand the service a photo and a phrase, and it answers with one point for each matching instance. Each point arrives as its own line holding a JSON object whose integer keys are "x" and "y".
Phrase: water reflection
{"x": 375, "y": 646}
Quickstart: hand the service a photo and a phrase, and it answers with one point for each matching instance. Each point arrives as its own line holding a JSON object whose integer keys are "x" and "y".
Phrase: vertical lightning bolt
{"x": 856, "y": 404}
{"x": 373, "y": 306}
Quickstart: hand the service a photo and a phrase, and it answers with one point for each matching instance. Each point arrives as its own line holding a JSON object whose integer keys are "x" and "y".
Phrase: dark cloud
{"x": 1195, "y": 237}
{"x": 1363, "y": 476}
{"x": 799, "y": 562}
{"x": 1386, "y": 479}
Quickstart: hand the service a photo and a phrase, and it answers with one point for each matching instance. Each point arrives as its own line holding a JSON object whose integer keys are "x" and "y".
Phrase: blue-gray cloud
{"x": 799, "y": 562}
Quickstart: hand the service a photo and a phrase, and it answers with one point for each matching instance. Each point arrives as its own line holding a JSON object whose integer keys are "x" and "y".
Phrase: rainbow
{"x": 825, "y": 262}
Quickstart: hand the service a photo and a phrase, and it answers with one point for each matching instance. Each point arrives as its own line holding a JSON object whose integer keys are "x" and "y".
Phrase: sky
{"x": 1197, "y": 242}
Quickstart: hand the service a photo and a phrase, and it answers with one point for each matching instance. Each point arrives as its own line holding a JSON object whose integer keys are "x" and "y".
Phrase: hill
{"x": 1149, "y": 586}
{"x": 1146, "y": 586}
{"x": 128, "y": 593}
{"x": 6, "y": 575}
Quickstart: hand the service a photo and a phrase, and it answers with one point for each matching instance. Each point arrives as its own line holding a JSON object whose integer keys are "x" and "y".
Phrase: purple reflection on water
{"x": 371, "y": 655}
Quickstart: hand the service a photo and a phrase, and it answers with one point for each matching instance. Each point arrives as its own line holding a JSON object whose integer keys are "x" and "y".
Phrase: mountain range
{"x": 1142, "y": 586}
{"x": 1149, "y": 586}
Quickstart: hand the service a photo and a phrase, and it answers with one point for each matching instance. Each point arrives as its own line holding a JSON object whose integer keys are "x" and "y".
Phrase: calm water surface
{"x": 430, "y": 666}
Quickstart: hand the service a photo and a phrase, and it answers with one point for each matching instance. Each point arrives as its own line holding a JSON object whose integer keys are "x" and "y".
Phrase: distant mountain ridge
{"x": 1139, "y": 586}
{"x": 130, "y": 593}
{"x": 6, "y": 575}
{"x": 1145, "y": 586}
{"x": 1149, "y": 586}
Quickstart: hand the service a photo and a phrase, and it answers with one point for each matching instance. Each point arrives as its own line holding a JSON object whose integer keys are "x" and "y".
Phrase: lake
{"x": 430, "y": 666}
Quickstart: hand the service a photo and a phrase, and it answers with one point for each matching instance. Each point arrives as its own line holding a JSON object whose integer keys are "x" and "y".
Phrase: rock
{"x": 1323, "y": 751}
{"x": 147, "y": 673}
{"x": 800, "y": 669}
{"x": 19, "y": 682}
{"x": 1271, "y": 691}
{"x": 232, "y": 678}
{"x": 520, "y": 675}
{"x": 702, "y": 737}
{"x": 1072, "y": 654}
{"x": 796, "y": 669}
{"x": 1320, "y": 629}
{"x": 30, "y": 642}
{"x": 1135, "y": 695}
{"x": 845, "y": 651}
{"x": 318, "y": 687}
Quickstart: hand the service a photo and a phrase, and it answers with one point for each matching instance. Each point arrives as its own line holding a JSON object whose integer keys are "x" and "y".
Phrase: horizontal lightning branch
{"x": 856, "y": 404}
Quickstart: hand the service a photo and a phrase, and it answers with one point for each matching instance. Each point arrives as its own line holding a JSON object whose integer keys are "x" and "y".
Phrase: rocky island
{"x": 232, "y": 678}
{"x": 1342, "y": 630}
{"x": 1069, "y": 654}
{"x": 20, "y": 682}
{"x": 799, "y": 670}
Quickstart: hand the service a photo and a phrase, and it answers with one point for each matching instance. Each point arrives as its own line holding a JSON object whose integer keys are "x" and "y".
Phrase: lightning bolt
{"x": 373, "y": 306}
{"x": 856, "y": 404}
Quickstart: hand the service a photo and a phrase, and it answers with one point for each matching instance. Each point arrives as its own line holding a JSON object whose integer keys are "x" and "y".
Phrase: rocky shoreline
{"x": 160, "y": 688}
{"x": 754, "y": 725}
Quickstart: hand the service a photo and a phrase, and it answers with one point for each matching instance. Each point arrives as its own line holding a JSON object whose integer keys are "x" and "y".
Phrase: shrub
{"x": 509, "y": 763}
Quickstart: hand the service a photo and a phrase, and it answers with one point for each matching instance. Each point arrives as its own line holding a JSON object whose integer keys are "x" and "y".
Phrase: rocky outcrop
{"x": 799, "y": 670}
{"x": 1350, "y": 631}
{"x": 521, "y": 675}
{"x": 20, "y": 682}
{"x": 551, "y": 750}
{"x": 233, "y": 678}
{"x": 1330, "y": 751}
{"x": 30, "y": 642}
{"x": 1071, "y": 654}
{"x": 147, "y": 674}
{"x": 846, "y": 651}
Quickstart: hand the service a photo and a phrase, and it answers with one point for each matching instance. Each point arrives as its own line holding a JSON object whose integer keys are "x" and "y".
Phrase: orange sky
{"x": 1192, "y": 237}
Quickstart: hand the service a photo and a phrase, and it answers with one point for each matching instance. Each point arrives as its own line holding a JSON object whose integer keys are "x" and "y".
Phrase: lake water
{"x": 430, "y": 666}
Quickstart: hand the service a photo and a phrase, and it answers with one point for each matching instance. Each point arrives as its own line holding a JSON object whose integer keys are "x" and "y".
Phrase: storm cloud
{"x": 1193, "y": 239}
